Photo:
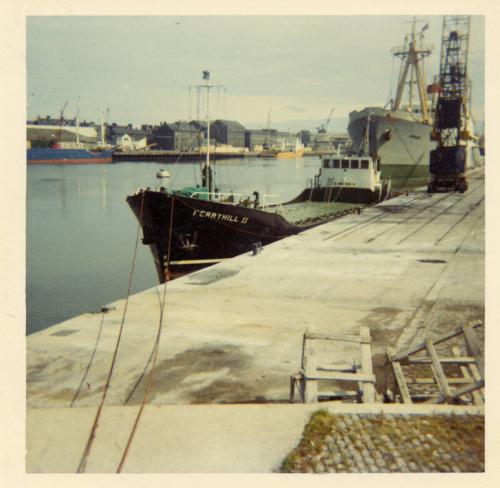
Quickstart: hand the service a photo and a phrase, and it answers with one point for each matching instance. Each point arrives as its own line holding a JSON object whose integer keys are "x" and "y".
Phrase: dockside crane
{"x": 57, "y": 143}
{"x": 323, "y": 127}
{"x": 449, "y": 160}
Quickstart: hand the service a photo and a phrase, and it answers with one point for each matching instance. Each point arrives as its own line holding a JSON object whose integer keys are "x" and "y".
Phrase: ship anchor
{"x": 186, "y": 244}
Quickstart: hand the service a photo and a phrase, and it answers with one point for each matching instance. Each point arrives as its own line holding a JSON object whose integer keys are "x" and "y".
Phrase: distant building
{"x": 305, "y": 137}
{"x": 179, "y": 136}
{"x": 269, "y": 139}
{"x": 65, "y": 136}
{"x": 51, "y": 121}
{"x": 126, "y": 137}
{"x": 228, "y": 132}
{"x": 47, "y": 120}
{"x": 257, "y": 139}
{"x": 330, "y": 141}
{"x": 286, "y": 140}
{"x": 201, "y": 127}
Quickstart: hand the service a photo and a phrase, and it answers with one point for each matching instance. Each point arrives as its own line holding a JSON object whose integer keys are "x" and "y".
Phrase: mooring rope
{"x": 155, "y": 350}
{"x": 91, "y": 360}
{"x": 90, "y": 440}
{"x": 148, "y": 362}
{"x": 415, "y": 163}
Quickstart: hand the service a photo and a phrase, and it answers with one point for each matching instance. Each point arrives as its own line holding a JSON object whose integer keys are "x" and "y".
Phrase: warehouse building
{"x": 228, "y": 132}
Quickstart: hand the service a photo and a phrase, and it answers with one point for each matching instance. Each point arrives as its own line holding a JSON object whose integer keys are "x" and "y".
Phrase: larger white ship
{"x": 400, "y": 136}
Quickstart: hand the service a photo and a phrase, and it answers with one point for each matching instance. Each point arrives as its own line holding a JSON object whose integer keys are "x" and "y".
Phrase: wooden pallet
{"x": 468, "y": 388}
{"x": 307, "y": 380}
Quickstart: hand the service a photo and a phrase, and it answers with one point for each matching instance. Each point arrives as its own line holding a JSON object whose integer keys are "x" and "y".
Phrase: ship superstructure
{"x": 400, "y": 135}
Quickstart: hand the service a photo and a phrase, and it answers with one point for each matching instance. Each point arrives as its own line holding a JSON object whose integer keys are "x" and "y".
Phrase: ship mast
{"x": 77, "y": 127}
{"x": 77, "y": 124}
{"x": 207, "y": 172}
{"x": 206, "y": 76}
{"x": 104, "y": 123}
{"x": 411, "y": 55}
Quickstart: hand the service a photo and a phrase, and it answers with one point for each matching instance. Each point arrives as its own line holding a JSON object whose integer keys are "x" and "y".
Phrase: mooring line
{"x": 90, "y": 440}
{"x": 415, "y": 162}
{"x": 155, "y": 349}
{"x": 146, "y": 366}
{"x": 91, "y": 360}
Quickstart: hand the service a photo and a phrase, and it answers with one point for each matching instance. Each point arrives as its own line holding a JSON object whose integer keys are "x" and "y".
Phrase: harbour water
{"x": 81, "y": 233}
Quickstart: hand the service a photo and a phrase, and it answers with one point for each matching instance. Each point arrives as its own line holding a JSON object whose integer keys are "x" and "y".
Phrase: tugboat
{"x": 196, "y": 227}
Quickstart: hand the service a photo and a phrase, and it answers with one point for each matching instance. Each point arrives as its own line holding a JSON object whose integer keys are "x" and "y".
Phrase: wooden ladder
{"x": 307, "y": 380}
{"x": 471, "y": 368}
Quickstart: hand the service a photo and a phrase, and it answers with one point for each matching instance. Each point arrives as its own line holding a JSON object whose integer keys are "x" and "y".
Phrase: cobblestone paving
{"x": 370, "y": 443}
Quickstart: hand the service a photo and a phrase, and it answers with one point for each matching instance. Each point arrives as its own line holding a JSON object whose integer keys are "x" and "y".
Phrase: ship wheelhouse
{"x": 350, "y": 171}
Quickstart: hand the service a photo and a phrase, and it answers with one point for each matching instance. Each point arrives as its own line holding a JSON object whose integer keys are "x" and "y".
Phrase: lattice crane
{"x": 449, "y": 160}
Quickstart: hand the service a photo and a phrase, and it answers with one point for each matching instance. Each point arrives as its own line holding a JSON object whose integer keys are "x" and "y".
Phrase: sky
{"x": 290, "y": 69}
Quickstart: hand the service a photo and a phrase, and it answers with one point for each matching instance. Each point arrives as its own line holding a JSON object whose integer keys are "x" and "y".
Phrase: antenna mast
{"x": 207, "y": 172}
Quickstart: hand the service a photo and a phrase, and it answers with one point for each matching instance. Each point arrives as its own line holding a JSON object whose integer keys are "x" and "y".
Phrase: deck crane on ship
{"x": 412, "y": 56}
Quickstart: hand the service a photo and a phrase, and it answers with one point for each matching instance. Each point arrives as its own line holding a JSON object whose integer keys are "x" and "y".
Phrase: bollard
{"x": 107, "y": 308}
{"x": 256, "y": 248}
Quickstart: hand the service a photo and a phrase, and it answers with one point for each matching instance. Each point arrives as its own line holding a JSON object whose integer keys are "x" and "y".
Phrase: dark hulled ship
{"x": 186, "y": 231}
{"x": 193, "y": 228}
{"x": 196, "y": 227}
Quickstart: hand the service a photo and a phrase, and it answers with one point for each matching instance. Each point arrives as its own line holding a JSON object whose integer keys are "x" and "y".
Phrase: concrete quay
{"x": 232, "y": 333}
{"x": 208, "y": 438}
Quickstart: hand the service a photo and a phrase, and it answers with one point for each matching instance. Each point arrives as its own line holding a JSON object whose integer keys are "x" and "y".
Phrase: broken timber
{"x": 306, "y": 381}
{"x": 471, "y": 368}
